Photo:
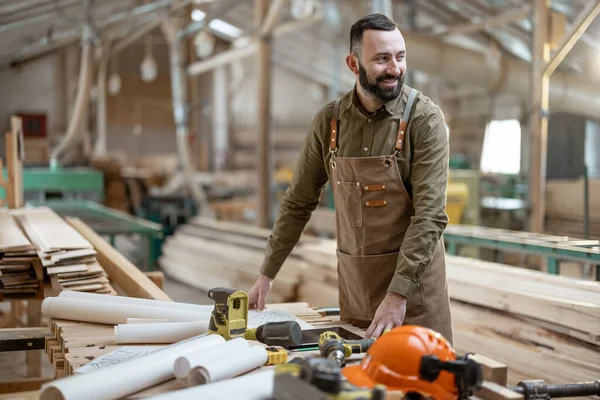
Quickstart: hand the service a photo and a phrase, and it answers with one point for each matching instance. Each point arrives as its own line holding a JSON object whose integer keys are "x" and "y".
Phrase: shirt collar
{"x": 391, "y": 106}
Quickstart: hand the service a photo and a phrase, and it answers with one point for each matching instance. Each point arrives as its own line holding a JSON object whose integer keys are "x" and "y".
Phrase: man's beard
{"x": 382, "y": 93}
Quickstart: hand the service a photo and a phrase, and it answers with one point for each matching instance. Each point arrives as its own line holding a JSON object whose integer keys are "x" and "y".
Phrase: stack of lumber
{"x": 206, "y": 253}
{"x": 68, "y": 259}
{"x": 20, "y": 271}
{"x": 542, "y": 326}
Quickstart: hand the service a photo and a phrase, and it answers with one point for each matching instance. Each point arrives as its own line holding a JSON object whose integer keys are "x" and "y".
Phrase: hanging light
{"x": 204, "y": 43}
{"x": 302, "y": 9}
{"x": 114, "y": 80}
{"x": 148, "y": 68}
{"x": 114, "y": 84}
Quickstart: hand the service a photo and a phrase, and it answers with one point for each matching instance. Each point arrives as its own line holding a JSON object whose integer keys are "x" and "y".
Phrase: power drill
{"x": 332, "y": 346}
{"x": 229, "y": 319}
{"x": 318, "y": 379}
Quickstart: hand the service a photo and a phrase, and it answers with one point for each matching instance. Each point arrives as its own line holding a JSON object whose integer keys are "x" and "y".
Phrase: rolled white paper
{"x": 136, "y": 301}
{"x": 222, "y": 368}
{"x": 184, "y": 364}
{"x": 128, "y": 377}
{"x": 111, "y": 313}
{"x": 252, "y": 386}
{"x": 164, "y": 332}
{"x": 145, "y": 320}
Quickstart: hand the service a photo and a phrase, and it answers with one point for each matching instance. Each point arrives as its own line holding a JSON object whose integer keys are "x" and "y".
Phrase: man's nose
{"x": 393, "y": 68}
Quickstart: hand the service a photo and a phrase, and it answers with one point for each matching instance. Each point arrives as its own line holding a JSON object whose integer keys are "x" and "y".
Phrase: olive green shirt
{"x": 423, "y": 165}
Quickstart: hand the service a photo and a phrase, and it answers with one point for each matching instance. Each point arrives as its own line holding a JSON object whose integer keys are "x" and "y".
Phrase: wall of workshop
{"x": 140, "y": 115}
{"x": 34, "y": 87}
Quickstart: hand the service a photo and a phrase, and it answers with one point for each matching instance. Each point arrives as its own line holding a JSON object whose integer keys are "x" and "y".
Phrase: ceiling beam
{"x": 584, "y": 19}
{"x": 228, "y": 56}
{"x": 495, "y": 20}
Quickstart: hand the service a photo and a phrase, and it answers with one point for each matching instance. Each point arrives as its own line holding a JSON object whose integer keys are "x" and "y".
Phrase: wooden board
{"x": 52, "y": 231}
{"x": 12, "y": 238}
{"x": 121, "y": 271}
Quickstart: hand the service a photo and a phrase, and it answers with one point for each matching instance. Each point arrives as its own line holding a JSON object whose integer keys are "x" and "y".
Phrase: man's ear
{"x": 352, "y": 63}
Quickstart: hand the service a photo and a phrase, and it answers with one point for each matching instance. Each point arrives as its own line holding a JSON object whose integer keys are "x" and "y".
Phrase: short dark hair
{"x": 378, "y": 22}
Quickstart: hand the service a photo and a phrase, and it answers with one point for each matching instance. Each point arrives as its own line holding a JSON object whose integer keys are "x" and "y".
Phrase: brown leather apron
{"x": 373, "y": 212}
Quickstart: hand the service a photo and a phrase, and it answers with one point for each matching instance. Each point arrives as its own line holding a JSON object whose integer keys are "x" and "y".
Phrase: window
{"x": 501, "y": 152}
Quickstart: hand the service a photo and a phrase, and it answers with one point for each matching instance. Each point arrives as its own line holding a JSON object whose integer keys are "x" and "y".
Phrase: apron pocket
{"x": 347, "y": 199}
{"x": 363, "y": 283}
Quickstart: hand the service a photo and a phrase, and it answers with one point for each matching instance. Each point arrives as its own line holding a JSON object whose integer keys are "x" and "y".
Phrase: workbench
{"x": 72, "y": 344}
{"x": 553, "y": 248}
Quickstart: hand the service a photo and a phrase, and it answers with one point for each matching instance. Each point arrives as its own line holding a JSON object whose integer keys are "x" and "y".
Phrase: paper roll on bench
{"x": 119, "y": 380}
{"x": 111, "y": 313}
{"x": 164, "y": 332}
{"x": 135, "y": 301}
{"x": 222, "y": 368}
{"x": 253, "y": 386}
{"x": 228, "y": 350}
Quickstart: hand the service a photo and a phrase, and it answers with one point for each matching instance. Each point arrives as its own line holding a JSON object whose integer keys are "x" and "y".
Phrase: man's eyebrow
{"x": 385, "y": 53}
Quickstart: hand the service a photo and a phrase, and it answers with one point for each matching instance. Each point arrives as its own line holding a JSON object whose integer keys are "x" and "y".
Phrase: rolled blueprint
{"x": 119, "y": 380}
{"x": 135, "y": 301}
{"x": 252, "y": 386}
{"x": 229, "y": 350}
{"x": 164, "y": 332}
{"x": 222, "y": 368}
{"x": 111, "y": 313}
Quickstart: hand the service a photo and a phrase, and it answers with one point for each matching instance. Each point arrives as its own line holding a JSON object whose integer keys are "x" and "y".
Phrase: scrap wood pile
{"x": 541, "y": 326}
{"x": 37, "y": 245}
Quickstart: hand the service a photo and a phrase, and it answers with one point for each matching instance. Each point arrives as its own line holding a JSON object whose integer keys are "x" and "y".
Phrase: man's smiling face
{"x": 382, "y": 63}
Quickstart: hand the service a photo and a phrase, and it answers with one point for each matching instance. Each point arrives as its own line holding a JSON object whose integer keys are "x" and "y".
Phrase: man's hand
{"x": 390, "y": 314}
{"x": 258, "y": 293}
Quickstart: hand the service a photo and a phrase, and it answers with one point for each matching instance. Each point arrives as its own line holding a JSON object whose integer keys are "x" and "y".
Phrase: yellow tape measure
{"x": 276, "y": 355}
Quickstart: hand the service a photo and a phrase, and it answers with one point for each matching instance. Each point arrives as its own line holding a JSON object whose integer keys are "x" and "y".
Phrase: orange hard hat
{"x": 394, "y": 360}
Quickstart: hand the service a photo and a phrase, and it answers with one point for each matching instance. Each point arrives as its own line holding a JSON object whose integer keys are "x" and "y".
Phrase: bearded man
{"x": 384, "y": 148}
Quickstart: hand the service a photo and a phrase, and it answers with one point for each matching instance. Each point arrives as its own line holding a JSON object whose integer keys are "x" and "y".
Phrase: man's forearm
{"x": 288, "y": 228}
{"x": 416, "y": 253}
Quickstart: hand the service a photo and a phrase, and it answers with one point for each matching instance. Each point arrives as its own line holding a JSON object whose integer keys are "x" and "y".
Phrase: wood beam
{"x": 120, "y": 270}
{"x": 539, "y": 121}
{"x": 14, "y": 163}
{"x": 499, "y": 19}
{"x": 264, "y": 166}
{"x": 19, "y": 339}
{"x": 584, "y": 19}
{"x": 270, "y": 20}
{"x": 228, "y": 56}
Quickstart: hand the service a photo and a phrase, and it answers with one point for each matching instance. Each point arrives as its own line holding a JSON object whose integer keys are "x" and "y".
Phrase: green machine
{"x": 77, "y": 183}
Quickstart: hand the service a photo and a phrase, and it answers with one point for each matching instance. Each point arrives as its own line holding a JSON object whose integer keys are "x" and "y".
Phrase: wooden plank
{"x": 53, "y": 231}
{"x": 493, "y": 391}
{"x": 14, "y": 163}
{"x": 494, "y": 286}
{"x": 493, "y": 370}
{"x": 26, "y": 385}
{"x": 120, "y": 270}
{"x": 16, "y": 339}
{"x": 12, "y": 237}
{"x": 68, "y": 255}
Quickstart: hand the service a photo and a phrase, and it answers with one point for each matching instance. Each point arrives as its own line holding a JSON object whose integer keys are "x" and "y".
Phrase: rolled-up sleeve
{"x": 429, "y": 180}
{"x": 300, "y": 199}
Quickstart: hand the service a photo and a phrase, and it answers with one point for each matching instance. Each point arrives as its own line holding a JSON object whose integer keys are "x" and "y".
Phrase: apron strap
{"x": 404, "y": 120}
{"x": 334, "y": 126}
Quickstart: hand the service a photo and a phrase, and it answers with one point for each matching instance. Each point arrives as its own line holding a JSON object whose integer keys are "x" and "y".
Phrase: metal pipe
{"x": 180, "y": 113}
{"x": 180, "y": 99}
{"x": 69, "y": 36}
{"x": 83, "y": 93}
{"x": 101, "y": 134}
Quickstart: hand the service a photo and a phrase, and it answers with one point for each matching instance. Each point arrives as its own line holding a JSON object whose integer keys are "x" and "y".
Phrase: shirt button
{"x": 369, "y": 120}
{"x": 366, "y": 149}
